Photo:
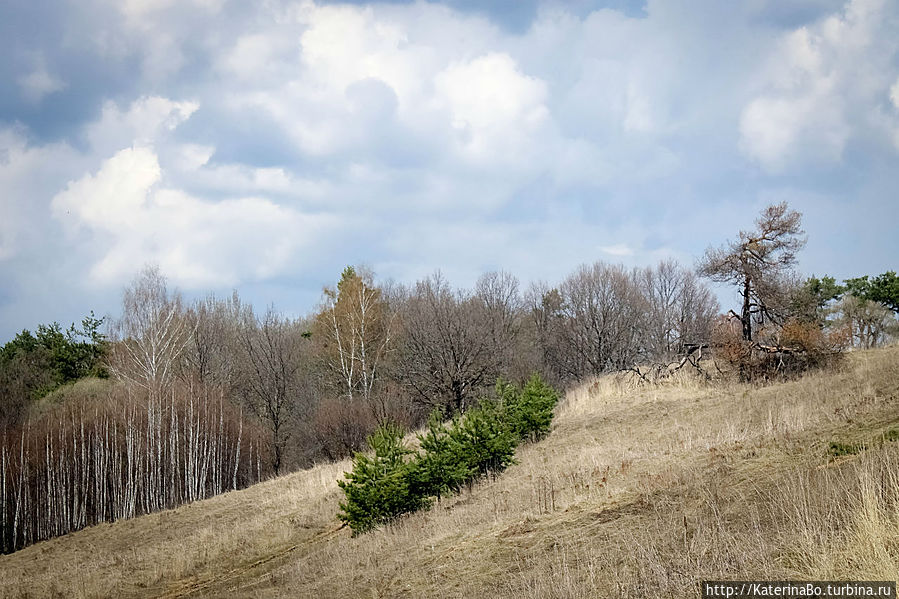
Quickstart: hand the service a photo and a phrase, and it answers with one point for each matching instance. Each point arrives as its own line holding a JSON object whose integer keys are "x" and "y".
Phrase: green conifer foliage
{"x": 479, "y": 443}
{"x": 378, "y": 489}
{"x": 530, "y": 409}
{"x": 440, "y": 467}
{"x": 485, "y": 439}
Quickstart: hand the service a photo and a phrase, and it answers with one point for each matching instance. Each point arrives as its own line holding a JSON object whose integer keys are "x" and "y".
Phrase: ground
{"x": 639, "y": 491}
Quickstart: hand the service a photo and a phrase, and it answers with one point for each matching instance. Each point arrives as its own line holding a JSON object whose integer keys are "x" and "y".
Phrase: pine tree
{"x": 378, "y": 488}
{"x": 440, "y": 469}
{"x": 533, "y": 413}
{"x": 485, "y": 439}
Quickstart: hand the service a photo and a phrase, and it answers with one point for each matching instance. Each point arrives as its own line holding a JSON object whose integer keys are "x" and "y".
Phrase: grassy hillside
{"x": 637, "y": 492}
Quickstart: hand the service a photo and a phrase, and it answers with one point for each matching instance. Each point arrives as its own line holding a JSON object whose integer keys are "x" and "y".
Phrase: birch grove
{"x": 84, "y": 464}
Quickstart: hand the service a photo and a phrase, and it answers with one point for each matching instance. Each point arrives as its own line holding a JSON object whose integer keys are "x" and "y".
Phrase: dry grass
{"x": 638, "y": 492}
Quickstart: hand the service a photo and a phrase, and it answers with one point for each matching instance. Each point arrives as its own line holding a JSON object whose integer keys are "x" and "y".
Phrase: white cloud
{"x": 197, "y": 243}
{"x": 15, "y": 160}
{"x": 238, "y": 179}
{"x": 494, "y": 109}
{"x": 28, "y": 175}
{"x": 256, "y": 54}
{"x": 137, "y": 11}
{"x": 823, "y": 84}
{"x": 147, "y": 120}
{"x": 114, "y": 198}
{"x": 618, "y": 250}
{"x": 39, "y": 83}
{"x": 343, "y": 44}
{"x": 191, "y": 157}
{"x": 131, "y": 210}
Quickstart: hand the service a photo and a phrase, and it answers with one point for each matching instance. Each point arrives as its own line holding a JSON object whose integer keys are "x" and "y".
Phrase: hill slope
{"x": 636, "y": 492}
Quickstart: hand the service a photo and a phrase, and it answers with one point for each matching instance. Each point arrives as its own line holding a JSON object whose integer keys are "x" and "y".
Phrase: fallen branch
{"x": 659, "y": 372}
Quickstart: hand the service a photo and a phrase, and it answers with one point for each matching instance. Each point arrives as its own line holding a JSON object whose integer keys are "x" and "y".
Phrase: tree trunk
{"x": 746, "y": 316}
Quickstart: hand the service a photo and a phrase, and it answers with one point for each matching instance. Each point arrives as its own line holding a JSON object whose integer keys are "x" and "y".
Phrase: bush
{"x": 378, "y": 489}
{"x": 530, "y": 409}
{"x": 484, "y": 439}
{"x": 776, "y": 352}
{"x": 479, "y": 443}
{"x": 341, "y": 427}
{"x": 838, "y": 449}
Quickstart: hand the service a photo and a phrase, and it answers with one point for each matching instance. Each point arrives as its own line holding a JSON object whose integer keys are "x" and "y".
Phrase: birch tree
{"x": 152, "y": 334}
{"x": 355, "y": 333}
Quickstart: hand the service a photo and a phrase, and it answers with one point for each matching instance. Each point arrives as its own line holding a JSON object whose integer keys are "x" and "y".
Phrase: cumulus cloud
{"x": 196, "y": 242}
{"x": 223, "y": 140}
{"x": 145, "y": 121}
{"x": 27, "y": 175}
{"x": 494, "y": 109}
{"x": 820, "y": 80}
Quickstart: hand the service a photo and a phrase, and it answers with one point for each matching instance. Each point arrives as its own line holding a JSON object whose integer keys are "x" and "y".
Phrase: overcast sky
{"x": 262, "y": 146}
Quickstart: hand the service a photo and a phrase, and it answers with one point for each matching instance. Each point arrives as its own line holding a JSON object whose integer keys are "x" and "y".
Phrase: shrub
{"x": 440, "y": 469}
{"x": 341, "y": 427}
{"x": 776, "y": 351}
{"x": 529, "y": 409}
{"x": 378, "y": 489}
{"x": 838, "y": 449}
{"x": 485, "y": 440}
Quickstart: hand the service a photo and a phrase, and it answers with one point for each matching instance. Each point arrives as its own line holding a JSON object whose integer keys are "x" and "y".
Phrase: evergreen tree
{"x": 529, "y": 409}
{"x": 485, "y": 439}
{"x": 378, "y": 489}
{"x": 883, "y": 289}
{"x": 440, "y": 469}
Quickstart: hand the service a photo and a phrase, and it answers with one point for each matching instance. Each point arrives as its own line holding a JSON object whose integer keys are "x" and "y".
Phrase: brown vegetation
{"x": 102, "y": 456}
{"x": 637, "y": 492}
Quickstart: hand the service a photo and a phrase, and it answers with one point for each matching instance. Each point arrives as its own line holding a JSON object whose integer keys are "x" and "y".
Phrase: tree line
{"x": 189, "y": 399}
{"x": 180, "y": 400}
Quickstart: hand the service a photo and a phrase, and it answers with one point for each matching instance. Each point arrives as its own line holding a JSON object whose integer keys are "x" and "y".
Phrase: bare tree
{"x": 606, "y": 316}
{"x": 503, "y": 315}
{"x": 272, "y": 349}
{"x": 210, "y": 356}
{"x": 152, "y": 334}
{"x": 756, "y": 262}
{"x": 681, "y": 310}
{"x": 552, "y": 334}
{"x": 448, "y": 351}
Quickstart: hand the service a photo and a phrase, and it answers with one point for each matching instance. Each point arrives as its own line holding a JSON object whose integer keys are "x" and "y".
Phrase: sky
{"x": 262, "y": 146}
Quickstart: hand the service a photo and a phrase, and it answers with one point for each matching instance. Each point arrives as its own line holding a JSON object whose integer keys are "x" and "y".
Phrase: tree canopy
{"x": 757, "y": 261}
